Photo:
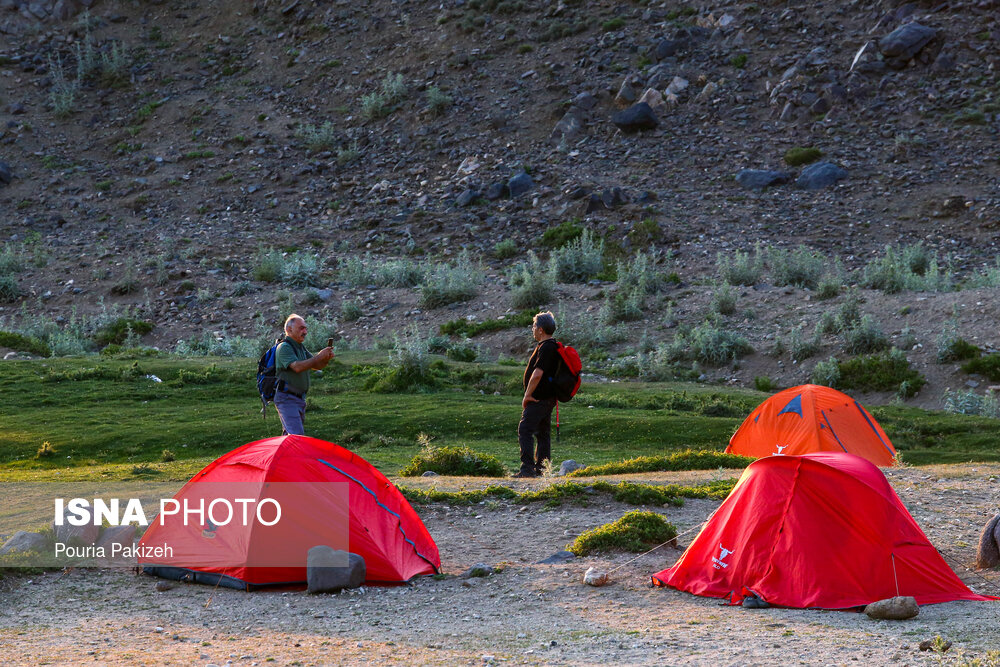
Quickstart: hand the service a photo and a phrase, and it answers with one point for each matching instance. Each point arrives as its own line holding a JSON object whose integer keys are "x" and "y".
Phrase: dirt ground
{"x": 527, "y": 613}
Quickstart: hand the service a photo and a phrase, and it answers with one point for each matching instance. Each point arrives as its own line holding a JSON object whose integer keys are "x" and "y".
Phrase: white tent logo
{"x": 781, "y": 448}
{"x": 720, "y": 562}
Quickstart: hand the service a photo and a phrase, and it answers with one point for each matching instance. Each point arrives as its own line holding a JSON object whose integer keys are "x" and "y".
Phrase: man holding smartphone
{"x": 292, "y": 365}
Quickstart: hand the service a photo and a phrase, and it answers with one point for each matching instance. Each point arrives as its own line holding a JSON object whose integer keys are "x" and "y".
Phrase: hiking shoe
{"x": 522, "y": 474}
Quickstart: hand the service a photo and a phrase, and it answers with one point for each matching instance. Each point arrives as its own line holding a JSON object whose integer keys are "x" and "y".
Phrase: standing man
{"x": 539, "y": 398}
{"x": 292, "y": 365}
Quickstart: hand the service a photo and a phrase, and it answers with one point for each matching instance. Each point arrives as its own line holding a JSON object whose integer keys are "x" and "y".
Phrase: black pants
{"x": 536, "y": 423}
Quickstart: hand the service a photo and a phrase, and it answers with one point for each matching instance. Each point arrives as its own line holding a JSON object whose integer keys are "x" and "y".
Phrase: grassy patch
{"x": 636, "y": 532}
{"x": 800, "y": 155}
{"x": 460, "y": 461}
{"x": 463, "y": 327}
{"x": 888, "y": 371}
{"x": 987, "y": 366}
{"x": 22, "y": 343}
{"x": 561, "y": 234}
{"x": 686, "y": 460}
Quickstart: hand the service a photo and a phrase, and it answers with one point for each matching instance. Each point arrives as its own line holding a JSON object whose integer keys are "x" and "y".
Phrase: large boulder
{"x": 820, "y": 175}
{"x": 893, "y": 609}
{"x": 23, "y": 542}
{"x": 115, "y": 539}
{"x": 329, "y": 570}
{"x": 6, "y": 175}
{"x": 568, "y": 466}
{"x": 636, "y": 118}
{"x": 989, "y": 545}
{"x": 520, "y": 184}
{"x": 901, "y": 45}
{"x": 67, "y": 533}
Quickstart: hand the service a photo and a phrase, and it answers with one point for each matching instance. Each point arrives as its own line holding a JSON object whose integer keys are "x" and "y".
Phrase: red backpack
{"x": 566, "y": 380}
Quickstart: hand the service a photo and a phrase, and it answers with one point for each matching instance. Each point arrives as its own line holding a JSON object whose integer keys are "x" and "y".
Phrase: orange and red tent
{"x": 822, "y": 530}
{"x": 812, "y": 418}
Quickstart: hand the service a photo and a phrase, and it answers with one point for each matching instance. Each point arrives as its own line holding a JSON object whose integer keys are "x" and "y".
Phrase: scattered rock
{"x": 467, "y": 197}
{"x": 568, "y": 466}
{"x": 569, "y": 128}
{"x": 326, "y": 572}
{"x": 654, "y": 99}
{"x": 902, "y": 44}
{"x": 595, "y": 577}
{"x": 85, "y": 535}
{"x": 520, "y": 184}
{"x": 820, "y": 175}
{"x": 497, "y": 191}
{"x": 163, "y": 587}
{"x": 123, "y": 536}
{"x": 989, "y": 545}
{"x": 429, "y": 473}
{"x": 934, "y": 644}
{"x": 478, "y": 570}
{"x": 893, "y": 609}
{"x": 759, "y": 179}
{"x": 667, "y": 48}
{"x": 23, "y": 542}
{"x": 6, "y": 175}
{"x": 557, "y": 557}
{"x": 636, "y": 118}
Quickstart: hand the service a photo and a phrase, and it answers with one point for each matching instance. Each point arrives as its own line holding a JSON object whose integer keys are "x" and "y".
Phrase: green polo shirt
{"x": 287, "y": 353}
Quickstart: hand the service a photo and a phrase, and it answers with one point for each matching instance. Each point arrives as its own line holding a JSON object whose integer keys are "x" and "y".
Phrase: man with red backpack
{"x": 547, "y": 371}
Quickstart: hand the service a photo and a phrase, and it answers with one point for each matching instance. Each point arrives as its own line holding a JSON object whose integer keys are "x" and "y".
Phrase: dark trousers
{"x": 536, "y": 423}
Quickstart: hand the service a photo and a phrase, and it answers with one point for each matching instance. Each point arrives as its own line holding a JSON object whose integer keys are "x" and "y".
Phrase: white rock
{"x": 595, "y": 577}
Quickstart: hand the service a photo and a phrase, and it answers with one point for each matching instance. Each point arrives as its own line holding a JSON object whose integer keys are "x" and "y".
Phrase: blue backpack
{"x": 267, "y": 380}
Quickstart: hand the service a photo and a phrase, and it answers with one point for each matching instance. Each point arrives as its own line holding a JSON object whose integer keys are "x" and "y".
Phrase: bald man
{"x": 292, "y": 365}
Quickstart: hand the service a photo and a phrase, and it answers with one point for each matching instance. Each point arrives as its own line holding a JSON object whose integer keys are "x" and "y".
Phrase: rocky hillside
{"x": 163, "y": 155}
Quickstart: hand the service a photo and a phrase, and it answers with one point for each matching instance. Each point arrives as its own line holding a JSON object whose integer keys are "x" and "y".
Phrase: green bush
{"x": 561, "y": 234}
{"x": 911, "y": 267}
{"x": 409, "y": 367}
{"x": 886, "y": 371}
{"x": 952, "y": 347}
{"x": 506, "y": 249}
{"x": 686, "y": 460}
{"x": 532, "y": 283}
{"x": 827, "y": 373}
{"x": 622, "y": 306}
{"x": 117, "y": 331}
{"x": 22, "y": 343}
{"x": 709, "y": 344}
{"x": 580, "y": 259}
{"x": 764, "y": 383}
{"x": 437, "y": 101}
{"x": 724, "y": 300}
{"x": 801, "y": 348}
{"x": 463, "y": 327}
{"x": 740, "y": 268}
{"x": 318, "y": 138}
{"x": 350, "y": 311}
{"x": 987, "y": 366}
{"x": 864, "y": 337}
{"x": 451, "y": 283}
{"x": 458, "y": 461}
{"x": 635, "y": 531}
{"x": 800, "y": 267}
{"x": 796, "y": 157}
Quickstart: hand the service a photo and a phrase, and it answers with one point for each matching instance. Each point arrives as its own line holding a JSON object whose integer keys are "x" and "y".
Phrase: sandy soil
{"x": 527, "y": 613}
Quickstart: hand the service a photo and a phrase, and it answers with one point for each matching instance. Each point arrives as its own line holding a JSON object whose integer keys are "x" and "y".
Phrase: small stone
{"x": 520, "y": 184}
{"x": 820, "y": 175}
{"x": 595, "y": 577}
{"x": 568, "y": 466}
{"x": 478, "y": 570}
{"x": 496, "y": 191}
{"x": 893, "y": 609}
{"x": 667, "y": 48}
{"x": 935, "y": 644}
{"x": 6, "y": 175}
{"x": 329, "y": 570}
{"x": 163, "y": 587}
{"x": 636, "y": 118}
{"x": 466, "y": 197}
{"x": 429, "y": 473}
{"x": 23, "y": 542}
{"x": 759, "y": 179}
{"x": 557, "y": 557}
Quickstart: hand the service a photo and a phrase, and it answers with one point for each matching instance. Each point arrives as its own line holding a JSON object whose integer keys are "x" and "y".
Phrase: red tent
{"x": 328, "y": 496}
{"x": 812, "y": 418}
{"x": 821, "y": 530}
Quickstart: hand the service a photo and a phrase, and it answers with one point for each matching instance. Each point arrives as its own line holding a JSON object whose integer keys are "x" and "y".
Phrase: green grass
{"x": 686, "y": 460}
{"x": 463, "y": 327}
{"x": 636, "y": 532}
{"x": 106, "y": 420}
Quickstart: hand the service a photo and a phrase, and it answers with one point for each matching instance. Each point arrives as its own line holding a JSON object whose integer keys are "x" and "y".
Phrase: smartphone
{"x": 329, "y": 342}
